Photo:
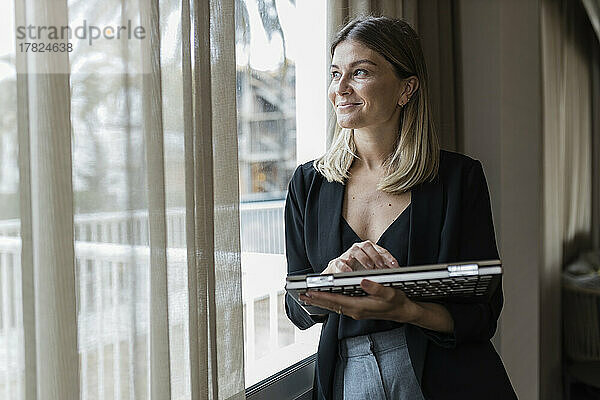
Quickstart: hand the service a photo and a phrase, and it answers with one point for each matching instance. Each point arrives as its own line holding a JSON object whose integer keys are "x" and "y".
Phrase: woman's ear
{"x": 409, "y": 86}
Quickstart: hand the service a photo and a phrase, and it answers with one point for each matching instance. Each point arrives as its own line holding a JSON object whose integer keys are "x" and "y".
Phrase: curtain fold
{"x": 217, "y": 266}
{"x": 592, "y": 7}
{"x": 202, "y": 174}
{"x": 228, "y": 289}
{"x": 197, "y": 340}
{"x": 135, "y": 368}
{"x": 596, "y": 144}
{"x": 51, "y": 210}
{"x": 152, "y": 105}
{"x": 27, "y": 300}
{"x": 436, "y": 29}
{"x": 567, "y": 165}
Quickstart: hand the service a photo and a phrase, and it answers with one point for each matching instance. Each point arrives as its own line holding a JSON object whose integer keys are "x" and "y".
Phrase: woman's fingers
{"x": 381, "y": 303}
{"x": 364, "y": 255}
{"x": 390, "y": 260}
{"x": 342, "y": 265}
{"x": 369, "y": 248}
{"x": 359, "y": 255}
{"x": 372, "y": 256}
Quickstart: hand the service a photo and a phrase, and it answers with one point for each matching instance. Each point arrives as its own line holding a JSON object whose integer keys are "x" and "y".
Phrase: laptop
{"x": 464, "y": 282}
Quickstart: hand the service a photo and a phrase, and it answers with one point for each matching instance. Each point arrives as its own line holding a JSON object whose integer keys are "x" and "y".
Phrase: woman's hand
{"x": 381, "y": 303}
{"x": 385, "y": 303}
{"x": 362, "y": 255}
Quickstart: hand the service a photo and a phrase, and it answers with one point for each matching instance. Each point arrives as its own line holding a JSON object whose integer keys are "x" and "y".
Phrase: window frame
{"x": 294, "y": 382}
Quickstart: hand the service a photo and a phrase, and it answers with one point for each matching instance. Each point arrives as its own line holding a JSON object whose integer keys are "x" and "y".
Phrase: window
{"x": 281, "y": 100}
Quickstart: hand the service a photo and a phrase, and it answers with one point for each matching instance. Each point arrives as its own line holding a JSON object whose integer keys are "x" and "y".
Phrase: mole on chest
{"x": 370, "y": 214}
{"x": 378, "y": 201}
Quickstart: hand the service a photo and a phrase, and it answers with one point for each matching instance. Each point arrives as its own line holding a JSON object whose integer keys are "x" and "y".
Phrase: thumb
{"x": 371, "y": 287}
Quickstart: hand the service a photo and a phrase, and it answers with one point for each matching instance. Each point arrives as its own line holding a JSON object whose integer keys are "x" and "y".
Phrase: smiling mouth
{"x": 348, "y": 105}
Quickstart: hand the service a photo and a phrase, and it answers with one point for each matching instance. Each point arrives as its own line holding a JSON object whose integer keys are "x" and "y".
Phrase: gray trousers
{"x": 375, "y": 366}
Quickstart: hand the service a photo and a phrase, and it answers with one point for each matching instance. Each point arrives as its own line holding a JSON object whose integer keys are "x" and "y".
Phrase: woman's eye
{"x": 358, "y": 72}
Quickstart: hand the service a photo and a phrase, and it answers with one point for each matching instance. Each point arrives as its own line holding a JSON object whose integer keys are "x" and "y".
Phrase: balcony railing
{"x": 131, "y": 227}
{"x": 113, "y": 300}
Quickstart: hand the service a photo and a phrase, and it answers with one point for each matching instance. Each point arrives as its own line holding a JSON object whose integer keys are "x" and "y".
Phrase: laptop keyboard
{"x": 463, "y": 286}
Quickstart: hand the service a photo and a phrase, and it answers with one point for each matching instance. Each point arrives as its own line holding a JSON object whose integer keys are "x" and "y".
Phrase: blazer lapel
{"x": 423, "y": 248}
{"x": 425, "y": 223}
{"x": 331, "y": 197}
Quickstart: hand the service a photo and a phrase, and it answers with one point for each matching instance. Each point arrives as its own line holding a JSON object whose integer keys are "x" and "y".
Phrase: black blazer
{"x": 451, "y": 221}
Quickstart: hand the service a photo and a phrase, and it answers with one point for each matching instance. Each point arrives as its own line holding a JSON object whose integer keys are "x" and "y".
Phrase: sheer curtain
{"x": 119, "y": 240}
{"x": 567, "y": 163}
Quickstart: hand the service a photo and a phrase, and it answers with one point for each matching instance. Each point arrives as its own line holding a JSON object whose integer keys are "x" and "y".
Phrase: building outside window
{"x": 281, "y": 99}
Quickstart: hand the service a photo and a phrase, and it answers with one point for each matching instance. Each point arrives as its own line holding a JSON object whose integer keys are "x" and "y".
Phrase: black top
{"x": 395, "y": 240}
{"x": 450, "y": 221}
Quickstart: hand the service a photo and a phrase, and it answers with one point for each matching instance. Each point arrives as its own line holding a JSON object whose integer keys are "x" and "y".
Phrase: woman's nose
{"x": 344, "y": 86}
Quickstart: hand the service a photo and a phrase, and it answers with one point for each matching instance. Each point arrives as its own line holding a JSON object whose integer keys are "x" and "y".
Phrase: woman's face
{"x": 364, "y": 89}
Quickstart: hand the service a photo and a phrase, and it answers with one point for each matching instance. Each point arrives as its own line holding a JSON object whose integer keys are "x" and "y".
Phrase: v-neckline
{"x": 386, "y": 229}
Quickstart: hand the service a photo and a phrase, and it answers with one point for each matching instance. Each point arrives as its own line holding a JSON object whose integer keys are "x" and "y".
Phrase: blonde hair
{"x": 415, "y": 158}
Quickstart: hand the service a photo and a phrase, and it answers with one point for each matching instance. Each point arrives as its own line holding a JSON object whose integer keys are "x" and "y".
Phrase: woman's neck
{"x": 373, "y": 147}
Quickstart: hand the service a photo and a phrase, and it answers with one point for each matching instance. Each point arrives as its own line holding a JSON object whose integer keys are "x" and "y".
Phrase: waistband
{"x": 372, "y": 343}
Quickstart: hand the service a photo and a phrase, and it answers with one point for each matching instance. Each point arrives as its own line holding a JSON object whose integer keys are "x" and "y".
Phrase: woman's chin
{"x": 347, "y": 124}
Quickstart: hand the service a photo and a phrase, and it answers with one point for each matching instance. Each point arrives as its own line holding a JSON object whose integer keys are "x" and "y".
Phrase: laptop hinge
{"x": 320, "y": 280}
{"x": 463, "y": 270}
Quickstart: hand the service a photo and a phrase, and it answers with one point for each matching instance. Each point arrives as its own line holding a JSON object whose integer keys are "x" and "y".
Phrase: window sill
{"x": 294, "y": 382}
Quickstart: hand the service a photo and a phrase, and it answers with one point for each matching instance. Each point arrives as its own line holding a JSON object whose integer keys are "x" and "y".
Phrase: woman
{"x": 384, "y": 196}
